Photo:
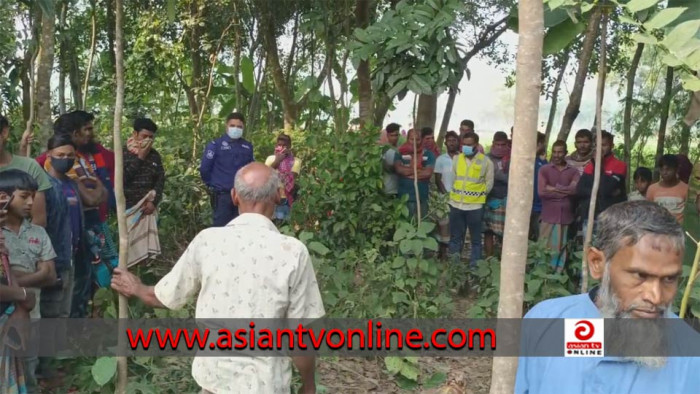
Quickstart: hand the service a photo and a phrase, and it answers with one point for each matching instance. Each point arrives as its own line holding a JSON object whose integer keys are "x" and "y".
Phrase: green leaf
{"x": 400, "y": 234}
{"x": 435, "y": 380}
{"x": 560, "y": 36}
{"x": 396, "y": 89}
{"x": 405, "y": 246}
{"x": 691, "y": 82}
{"x": 405, "y": 383}
{"x": 412, "y": 263}
{"x": 681, "y": 34}
{"x": 104, "y": 369}
{"x": 644, "y": 39}
{"x": 427, "y": 227}
{"x": 422, "y": 84}
{"x": 410, "y": 371}
{"x": 638, "y": 5}
{"x": 417, "y": 246}
{"x": 248, "y": 74}
{"x": 393, "y": 364}
{"x": 664, "y": 17}
{"x": 430, "y": 244}
{"x": 319, "y": 248}
{"x": 671, "y": 60}
{"x": 398, "y": 262}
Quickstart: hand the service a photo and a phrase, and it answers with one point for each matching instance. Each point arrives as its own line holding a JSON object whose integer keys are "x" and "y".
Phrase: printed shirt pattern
{"x": 244, "y": 270}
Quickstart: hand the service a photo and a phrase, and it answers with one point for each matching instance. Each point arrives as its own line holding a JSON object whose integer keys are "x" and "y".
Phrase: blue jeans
{"x": 224, "y": 210}
{"x": 460, "y": 221}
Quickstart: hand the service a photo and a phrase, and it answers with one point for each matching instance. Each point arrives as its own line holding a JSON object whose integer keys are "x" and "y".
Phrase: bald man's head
{"x": 256, "y": 184}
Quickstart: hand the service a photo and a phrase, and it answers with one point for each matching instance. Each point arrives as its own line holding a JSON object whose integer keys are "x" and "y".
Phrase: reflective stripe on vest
{"x": 470, "y": 183}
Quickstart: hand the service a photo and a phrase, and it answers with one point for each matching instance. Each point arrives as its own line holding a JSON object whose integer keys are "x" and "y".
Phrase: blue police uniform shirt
{"x": 590, "y": 375}
{"x": 222, "y": 159}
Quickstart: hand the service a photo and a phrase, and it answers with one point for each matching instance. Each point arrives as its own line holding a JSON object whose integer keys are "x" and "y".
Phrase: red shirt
{"x": 611, "y": 166}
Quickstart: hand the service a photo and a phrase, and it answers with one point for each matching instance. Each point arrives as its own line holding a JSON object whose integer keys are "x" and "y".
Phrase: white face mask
{"x": 235, "y": 132}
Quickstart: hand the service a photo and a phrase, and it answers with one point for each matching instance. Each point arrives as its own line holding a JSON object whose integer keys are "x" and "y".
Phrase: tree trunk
{"x": 685, "y": 139}
{"x": 555, "y": 98}
{"x": 427, "y": 111}
{"x": 598, "y": 152}
{"x": 237, "y": 60}
{"x": 119, "y": 184}
{"x": 195, "y": 38}
{"x": 572, "y": 110}
{"x": 93, "y": 41}
{"x": 109, "y": 16}
{"x": 43, "y": 81}
{"x": 665, "y": 106}
{"x": 520, "y": 183}
{"x": 452, "y": 96}
{"x": 273, "y": 62}
{"x": 74, "y": 78}
{"x": 364, "y": 79}
{"x": 62, "y": 60}
{"x": 627, "y": 121}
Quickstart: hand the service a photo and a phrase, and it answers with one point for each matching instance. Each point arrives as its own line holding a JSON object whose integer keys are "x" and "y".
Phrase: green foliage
{"x": 541, "y": 281}
{"x": 413, "y": 47}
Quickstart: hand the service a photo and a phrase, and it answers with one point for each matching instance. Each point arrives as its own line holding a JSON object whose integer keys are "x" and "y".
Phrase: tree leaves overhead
{"x": 664, "y": 17}
{"x": 561, "y": 35}
{"x": 412, "y": 47}
{"x": 248, "y": 74}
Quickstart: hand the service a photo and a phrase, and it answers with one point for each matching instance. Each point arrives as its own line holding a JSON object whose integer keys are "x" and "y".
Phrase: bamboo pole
{"x": 691, "y": 279}
{"x": 598, "y": 153}
{"x": 415, "y": 174}
{"x": 119, "y": 187}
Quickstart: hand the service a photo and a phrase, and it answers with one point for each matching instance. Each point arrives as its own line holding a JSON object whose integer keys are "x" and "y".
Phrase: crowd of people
{"x": 57, "y": 248}
{"x": 56, "y": 244}
{"x": 474, "y": 185}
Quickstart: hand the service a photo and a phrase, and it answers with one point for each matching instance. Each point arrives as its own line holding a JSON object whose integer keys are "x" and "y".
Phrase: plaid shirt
{"x": 142, "y": 176}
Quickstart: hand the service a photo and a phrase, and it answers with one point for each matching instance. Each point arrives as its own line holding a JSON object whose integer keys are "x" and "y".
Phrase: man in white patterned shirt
{"x": 245, "y": 270}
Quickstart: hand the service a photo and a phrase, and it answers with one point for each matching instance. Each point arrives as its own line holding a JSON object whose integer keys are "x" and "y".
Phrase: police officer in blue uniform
{"x": 222, "y": 158}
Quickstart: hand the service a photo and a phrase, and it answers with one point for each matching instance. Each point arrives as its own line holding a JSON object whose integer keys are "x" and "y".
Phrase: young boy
{"x": 642, "y": 180}
{"x": 29, "y": 247}
{"x": 670, "y": 192}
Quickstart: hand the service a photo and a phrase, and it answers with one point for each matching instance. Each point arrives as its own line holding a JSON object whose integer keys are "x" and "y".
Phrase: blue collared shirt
{"x": 588, "y": 375}
{"x": 222, "y": 159}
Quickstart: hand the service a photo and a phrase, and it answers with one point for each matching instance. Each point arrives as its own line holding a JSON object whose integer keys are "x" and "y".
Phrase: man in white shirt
{"x": 444, "y": 178}
{"x": 246, "y": 269}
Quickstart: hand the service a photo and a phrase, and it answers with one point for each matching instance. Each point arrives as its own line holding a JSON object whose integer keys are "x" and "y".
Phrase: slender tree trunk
{"x": 43, "y": 83}
{"x": 519, "y": 204}
{"x": 665, "y": 106}
{"x": 275, "y": 68}
{"x": 93, "y": 41}
{"x": 109, "y": 16}
{"x": 237, "y": 58}
{"x": 627, "y": 121}
{"x": 555, "y": 98}
{"x": 598, "y": 151}
{"x": 452, "y": 96}
{"x": 195, "y": 38}
{"x": 364, "y": 79}
{"x": 62, "y": 59}
{"x": 427, "y": 111}
{"x": 685, "y": 132}
{"x": 572, "y": 110}
{"x": 119, "y": 183}
{"x": 74, "y": 77}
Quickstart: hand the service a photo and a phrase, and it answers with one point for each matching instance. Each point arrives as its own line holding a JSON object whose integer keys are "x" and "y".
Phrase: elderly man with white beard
{"x": 638, "y": 258}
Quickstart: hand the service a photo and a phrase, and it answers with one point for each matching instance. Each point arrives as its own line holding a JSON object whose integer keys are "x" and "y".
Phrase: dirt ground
{"x": 360, "y": 375}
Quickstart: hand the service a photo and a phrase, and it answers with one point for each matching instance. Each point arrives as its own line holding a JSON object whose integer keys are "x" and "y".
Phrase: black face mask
{"x": 62, "y": 165}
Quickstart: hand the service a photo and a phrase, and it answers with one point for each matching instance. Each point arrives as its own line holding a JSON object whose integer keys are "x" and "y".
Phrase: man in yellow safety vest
{"x": 472, "y": 183}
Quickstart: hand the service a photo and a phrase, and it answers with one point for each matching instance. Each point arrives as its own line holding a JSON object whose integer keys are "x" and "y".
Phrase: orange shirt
{"x": 671, "y": 198}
